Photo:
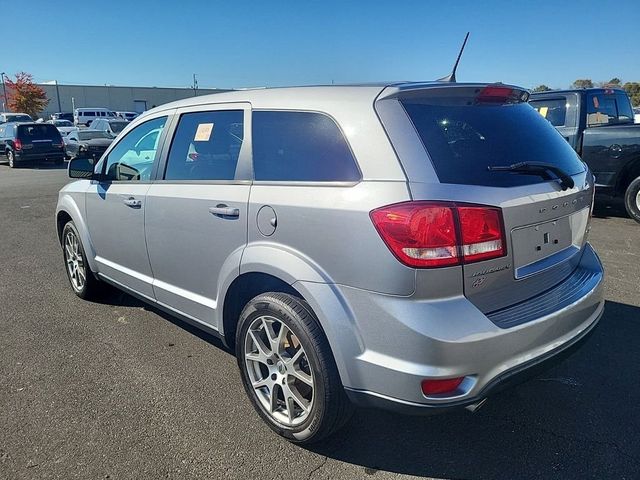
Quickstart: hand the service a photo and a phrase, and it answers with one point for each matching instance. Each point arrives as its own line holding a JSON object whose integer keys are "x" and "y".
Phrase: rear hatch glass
{"x": 463, "y": 138}
{"x": 544, "y": 222}
{"x": 39, "y": 137}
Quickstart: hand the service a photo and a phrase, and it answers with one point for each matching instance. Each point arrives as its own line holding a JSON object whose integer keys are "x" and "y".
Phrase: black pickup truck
{"x": 598, "y": 123}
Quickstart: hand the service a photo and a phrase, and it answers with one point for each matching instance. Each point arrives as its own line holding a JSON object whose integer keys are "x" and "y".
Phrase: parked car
{"x": 599, "y": 124}
{"x": 65, "y": 127}
{"x": 23, "y": 143}
{"x": 62, "y": 116}
{"x": 87, "y": 143}
{"x": 371, "y": 245}
{"x": 127, "y": 115}
{"x": 6, "y": 117}
{"x": 84, "y": 116}
{"x": 112, "y": 126}
{"x": 636, "y": 112}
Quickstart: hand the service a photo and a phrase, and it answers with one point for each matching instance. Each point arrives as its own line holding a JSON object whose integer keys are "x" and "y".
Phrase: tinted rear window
{"x": 553, "y": 109}
{"x": 604, "y": 108}
{"x": 300, "y": 147}
{"x": 463, "y": 140}
{"x": 41, "y": 131}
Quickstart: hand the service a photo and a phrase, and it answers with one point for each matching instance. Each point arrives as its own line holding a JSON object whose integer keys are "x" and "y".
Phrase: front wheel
{"x": 288, "y": 370}
{"x": 632, "y": 199}
{"x": 83, "y": 282}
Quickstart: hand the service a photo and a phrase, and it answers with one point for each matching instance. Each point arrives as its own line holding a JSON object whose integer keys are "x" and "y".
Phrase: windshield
{"x": 19, "y": 118}
{"x": 117, "y": 127}
{"x": 63, "y": 123}
{"x": 91, "y": 134}
{"x": 463, "y": 139}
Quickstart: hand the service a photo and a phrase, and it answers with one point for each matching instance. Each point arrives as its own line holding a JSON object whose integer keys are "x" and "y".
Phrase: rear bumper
{"x": 396, "y": 342}
{"x": 23, "y": 156}
{"x": 510, "y": 378}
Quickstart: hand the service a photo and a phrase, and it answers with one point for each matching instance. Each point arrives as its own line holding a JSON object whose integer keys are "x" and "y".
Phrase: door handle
{"x": 132, "y": 202}
{"x": 225, "y": 211}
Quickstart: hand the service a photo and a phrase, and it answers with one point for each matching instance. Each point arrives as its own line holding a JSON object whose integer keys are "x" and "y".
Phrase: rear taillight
{"x": 481, "y": 229}
{"x": 17, "y": 144}
{"x": 428, "y": 234}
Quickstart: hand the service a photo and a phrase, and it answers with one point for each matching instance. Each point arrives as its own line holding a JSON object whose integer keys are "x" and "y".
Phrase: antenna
{"x": 452, "y": 76}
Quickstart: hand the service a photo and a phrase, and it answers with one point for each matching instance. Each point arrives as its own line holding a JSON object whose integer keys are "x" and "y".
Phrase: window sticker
{"x": 203, "y": 132}
{"x": 596, "y": 102}
{"x": 543, "y": 111}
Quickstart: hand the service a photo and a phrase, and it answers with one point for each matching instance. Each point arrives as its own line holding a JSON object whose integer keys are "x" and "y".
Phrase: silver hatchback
{"x": 408, "y": 246}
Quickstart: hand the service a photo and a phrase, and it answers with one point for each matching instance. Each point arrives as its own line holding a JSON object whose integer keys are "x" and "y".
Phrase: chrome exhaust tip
{"x": 474, "y": 407}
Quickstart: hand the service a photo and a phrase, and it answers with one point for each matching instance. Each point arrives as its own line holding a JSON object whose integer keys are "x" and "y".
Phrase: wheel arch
{"x": 68, "y": 210}
{"x": 629, "y": 173}
{"x": 269, "y": 268}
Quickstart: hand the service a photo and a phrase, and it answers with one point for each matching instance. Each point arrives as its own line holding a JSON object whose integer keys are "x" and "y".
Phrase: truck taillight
{"x": 438, "y": 234}
{"x": 17, "y": 144}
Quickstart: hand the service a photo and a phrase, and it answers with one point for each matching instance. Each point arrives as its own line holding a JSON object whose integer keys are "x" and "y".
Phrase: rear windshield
{"x": 41, "y": 131}
{"x": 605, "y": 108}
{"x": 117, "y": 127}
{"x": 464, "y": 139}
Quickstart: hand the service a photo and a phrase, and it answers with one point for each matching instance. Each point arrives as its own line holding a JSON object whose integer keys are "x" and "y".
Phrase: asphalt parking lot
{"x": 118, "y": 390}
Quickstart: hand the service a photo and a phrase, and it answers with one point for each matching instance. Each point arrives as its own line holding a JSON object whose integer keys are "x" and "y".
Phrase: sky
{"x": 274, "y": 43}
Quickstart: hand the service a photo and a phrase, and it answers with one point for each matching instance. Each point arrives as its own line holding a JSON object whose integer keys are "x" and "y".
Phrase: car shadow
{"x": 47, "y": 166}
{"x": 114, "y": 297}
{"x": 580, "y": 419}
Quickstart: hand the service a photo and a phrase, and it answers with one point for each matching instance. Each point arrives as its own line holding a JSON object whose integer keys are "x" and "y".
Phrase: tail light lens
{"x": 482, "y": 233}
{"x": 440, "y": 386}
{"x": 17, "y": 144}
{"x": 428, "y": 234}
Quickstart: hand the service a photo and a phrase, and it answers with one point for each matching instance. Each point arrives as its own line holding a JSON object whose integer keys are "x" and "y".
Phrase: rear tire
{"x": 83, "y": 282}
{"x": 11, "y": 158}
{"x": 632, "y": 199}
{"x": 288, "y": 370}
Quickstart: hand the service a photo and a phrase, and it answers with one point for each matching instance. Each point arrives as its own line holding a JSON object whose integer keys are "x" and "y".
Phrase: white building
{"x": 63, "y": 98}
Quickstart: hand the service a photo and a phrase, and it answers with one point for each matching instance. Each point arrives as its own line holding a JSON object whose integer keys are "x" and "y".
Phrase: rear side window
{"x": 300, "y": 146}
{"x": 39, "y": 132}
{"x": 604, "y": 108}
{"x": 464, "y": 139}
{"x": 553, "y": 109}
{"x": 206, "y": 146}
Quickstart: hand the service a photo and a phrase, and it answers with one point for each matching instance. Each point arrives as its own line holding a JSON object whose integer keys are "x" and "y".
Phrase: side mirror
{"x": 81, "y": 167}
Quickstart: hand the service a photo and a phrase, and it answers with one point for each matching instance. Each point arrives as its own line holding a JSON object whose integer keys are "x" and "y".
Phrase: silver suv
{"x": 407, "y": 246}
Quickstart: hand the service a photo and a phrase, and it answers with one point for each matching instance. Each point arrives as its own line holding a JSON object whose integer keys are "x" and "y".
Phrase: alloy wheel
{"x": 74, "y": 260}
{"x": 279, "y": 371}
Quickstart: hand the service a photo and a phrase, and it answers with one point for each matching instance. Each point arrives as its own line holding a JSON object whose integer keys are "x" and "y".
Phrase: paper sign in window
{"x": 203, "y": 133}
{"x": 543, "y": 111}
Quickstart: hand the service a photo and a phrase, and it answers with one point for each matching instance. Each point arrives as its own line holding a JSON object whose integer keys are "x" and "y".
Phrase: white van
{"x": 84, "y": 116}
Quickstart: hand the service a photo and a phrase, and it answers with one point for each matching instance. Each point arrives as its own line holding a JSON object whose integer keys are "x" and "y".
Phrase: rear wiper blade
{"x": 540, "y": 168}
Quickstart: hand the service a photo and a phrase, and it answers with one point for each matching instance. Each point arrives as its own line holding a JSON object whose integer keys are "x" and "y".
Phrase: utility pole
{"x": 4, "y": 93}
{"x": 58, "y": 95}
{"x": 195, "y": 85}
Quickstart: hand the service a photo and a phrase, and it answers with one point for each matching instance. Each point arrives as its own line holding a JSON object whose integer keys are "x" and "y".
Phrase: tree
{"x": 541, "y": 88}
{"x": 583, "y": 83}
{"x": 615, "y": 82}
{"x": 633, "y": 90}
{"x": 25, "y": 96}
